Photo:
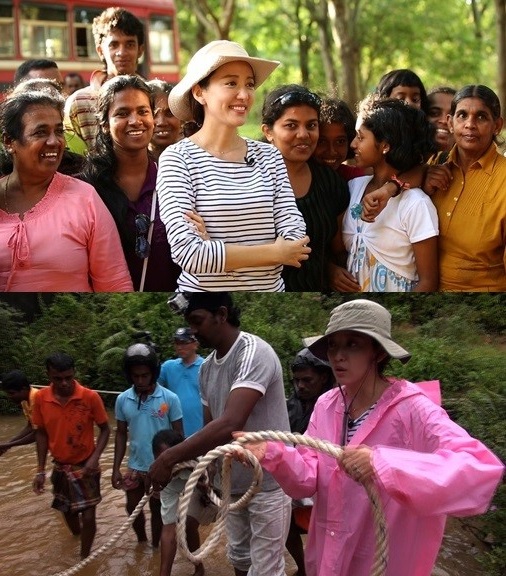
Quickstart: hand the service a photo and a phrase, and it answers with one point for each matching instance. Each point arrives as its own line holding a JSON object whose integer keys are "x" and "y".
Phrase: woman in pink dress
{"x": 56, "y": 235}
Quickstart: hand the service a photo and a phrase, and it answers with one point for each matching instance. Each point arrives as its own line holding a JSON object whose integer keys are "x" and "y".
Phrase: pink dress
{"x": 68, "y": 242}
{"x": 426, "y": 466}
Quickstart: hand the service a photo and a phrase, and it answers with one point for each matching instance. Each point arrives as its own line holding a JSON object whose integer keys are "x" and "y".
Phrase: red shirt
{"x": 69, "y": 427}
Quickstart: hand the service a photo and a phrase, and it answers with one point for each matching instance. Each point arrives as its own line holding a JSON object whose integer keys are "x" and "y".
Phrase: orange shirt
{"x": 69, "y": 427}
{"x": 472, "y": 225}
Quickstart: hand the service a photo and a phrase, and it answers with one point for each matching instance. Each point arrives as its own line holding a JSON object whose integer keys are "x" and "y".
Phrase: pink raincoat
{"x": 426, "y": 466}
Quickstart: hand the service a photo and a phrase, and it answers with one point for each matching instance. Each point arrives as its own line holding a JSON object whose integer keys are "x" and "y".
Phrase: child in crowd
{"x": 404, "y": 85}
{"x": 201, "y": 510}
{"x": 398, "y": 251}
{"x": 336, "y": 132}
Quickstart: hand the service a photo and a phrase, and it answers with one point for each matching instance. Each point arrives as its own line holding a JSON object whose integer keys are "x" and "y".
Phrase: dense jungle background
{"x": 458, "y": 339}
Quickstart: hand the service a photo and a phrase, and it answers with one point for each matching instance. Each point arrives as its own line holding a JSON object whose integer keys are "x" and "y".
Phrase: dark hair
{"x": 406, "y": 129}
{"x": 336, "y": 111}
{"x": 75, "y": 75}
{"x": 166, "y": 436}
{"x": 485, "y": 94}
{"x": 101, "y": 164}
{"x": 60, "y": 361}
{"x": 441, "y": 90}
{"x": 28, "y": 65}
{"x": 196, "y": 108}
{"x": 160, "y": 86}
{"x": 117, "y": 19}
{"x": 306, "y": 359}
{"x": 37, "y": 84}
{"x": 212, "y": 302}
{"x": 402, "y": 77}
{"x": 12, "y": 110}
{"x": 274, "y": 107}
{"x": 14, "y": 380}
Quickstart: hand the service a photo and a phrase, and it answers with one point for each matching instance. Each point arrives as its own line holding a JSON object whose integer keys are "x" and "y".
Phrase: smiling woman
{"x": 123, "y": 173}
{"x": 239, "y": 186}
{"x": 55, "y": 232}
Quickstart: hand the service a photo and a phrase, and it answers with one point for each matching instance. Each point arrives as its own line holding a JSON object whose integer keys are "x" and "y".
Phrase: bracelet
{"x": 40, "y": 474}
{"x": 399, "y": 184}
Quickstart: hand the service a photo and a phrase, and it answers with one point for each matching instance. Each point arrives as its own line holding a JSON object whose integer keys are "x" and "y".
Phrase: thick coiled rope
{"x": 381, "y": 552}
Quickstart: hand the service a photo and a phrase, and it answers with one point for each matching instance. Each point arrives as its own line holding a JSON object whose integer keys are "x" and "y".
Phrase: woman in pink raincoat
{"x": 425, "y": 467}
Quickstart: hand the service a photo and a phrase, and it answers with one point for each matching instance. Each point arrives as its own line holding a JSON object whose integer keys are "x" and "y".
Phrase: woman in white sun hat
{"x": 226, "y": 201}
{"x": 424, "y": 466}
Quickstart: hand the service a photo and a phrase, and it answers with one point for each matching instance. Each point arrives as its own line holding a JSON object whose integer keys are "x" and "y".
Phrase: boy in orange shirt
{"x": 65, "y": 413}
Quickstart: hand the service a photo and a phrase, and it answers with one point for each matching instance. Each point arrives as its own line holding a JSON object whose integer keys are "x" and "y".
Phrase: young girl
{"x": 404, "y": 85}
{"x": 290, "y": 117}
{"x": 424, "y": 466}
{"x": 124, "y": 174}
{"x": 336, "y": 132}
{"x": 237, "y": 186}
{"x": 398, "y": 251}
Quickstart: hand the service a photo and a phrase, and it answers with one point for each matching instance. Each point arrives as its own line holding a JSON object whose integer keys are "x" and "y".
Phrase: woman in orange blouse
{"x": 472, "y": 210}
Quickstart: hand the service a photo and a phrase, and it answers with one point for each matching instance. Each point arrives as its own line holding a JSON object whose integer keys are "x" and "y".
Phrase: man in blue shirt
{"x": 181, "y": 376}
{"x": 141, "y": 411}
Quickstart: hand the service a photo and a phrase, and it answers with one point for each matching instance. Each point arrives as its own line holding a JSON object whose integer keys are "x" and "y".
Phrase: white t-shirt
{"x": 249, "y": 203}
{"x": 408, "y": 218}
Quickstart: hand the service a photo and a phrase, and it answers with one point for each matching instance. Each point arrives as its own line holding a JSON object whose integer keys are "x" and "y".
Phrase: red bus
{"x": 61, "y": 31}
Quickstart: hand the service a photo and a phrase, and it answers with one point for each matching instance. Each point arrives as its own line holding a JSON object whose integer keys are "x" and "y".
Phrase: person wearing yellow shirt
{"x": 472, "y": 209}
{"x": 17, "y": 388}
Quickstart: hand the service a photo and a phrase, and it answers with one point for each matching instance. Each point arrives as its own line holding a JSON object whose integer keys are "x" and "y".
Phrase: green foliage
{"x": 441, "y": 41}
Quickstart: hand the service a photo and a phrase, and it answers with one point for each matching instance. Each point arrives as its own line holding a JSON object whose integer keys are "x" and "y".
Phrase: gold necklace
{"x": 218, "y": 152}
{"x": 5, "y": 193}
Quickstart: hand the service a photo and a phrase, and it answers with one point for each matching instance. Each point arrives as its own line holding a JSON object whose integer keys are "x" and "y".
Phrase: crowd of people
{"x": 198, "y": 207}
{"x": 394, "y": 433}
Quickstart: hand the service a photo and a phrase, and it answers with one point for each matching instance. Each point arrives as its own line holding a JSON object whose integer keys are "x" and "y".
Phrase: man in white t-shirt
{"x": 241, "y": 384}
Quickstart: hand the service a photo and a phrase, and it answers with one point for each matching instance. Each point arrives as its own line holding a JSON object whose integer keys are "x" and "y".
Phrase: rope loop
{"x": 381, "y": 550}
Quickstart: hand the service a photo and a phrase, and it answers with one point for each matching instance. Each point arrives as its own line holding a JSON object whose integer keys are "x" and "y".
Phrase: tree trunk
{"x": 500, "y": 8}
{"x": 343, "y": 14}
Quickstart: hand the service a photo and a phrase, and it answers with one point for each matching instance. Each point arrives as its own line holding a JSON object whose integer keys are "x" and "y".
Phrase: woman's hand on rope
{"x": 357, "y": 462}
{"x": 258, "y": 450}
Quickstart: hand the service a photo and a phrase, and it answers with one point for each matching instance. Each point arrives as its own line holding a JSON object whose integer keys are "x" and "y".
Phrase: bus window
{"x": 6, "y": 30}
{"x": 44, "y": 31}
{"x": 83, "y": 36}
{"x": 161, "y": 39}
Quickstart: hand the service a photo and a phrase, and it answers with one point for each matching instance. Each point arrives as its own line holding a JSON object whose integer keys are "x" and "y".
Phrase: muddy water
{"x": 35, "y": 542}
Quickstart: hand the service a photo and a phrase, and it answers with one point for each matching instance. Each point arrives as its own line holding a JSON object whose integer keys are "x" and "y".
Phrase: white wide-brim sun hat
{"x": 207, "y": 60}
{"x": 363, "y": 316}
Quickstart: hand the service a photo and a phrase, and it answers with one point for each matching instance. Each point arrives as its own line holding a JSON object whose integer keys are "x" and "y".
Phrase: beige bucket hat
{"x": 207, "y": 60}
{"x": 362, "y": 316}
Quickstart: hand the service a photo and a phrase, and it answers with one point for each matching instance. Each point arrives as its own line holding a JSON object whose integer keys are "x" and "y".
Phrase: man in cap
{"x": 241, "y": 384}
{"x": 181, "y": 376}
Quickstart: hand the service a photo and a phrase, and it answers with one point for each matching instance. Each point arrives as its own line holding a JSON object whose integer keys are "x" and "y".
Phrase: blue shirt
{"x": 184, "y": 381}
{"x": 157, "y": 412}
